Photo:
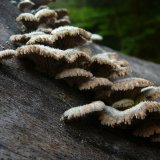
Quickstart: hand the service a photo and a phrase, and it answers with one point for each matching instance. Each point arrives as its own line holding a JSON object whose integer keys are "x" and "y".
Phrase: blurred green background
{"x": 130, "y": 26}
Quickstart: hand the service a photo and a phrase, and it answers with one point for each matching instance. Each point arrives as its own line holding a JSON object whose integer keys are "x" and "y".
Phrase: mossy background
{"x": 130, "y": 26}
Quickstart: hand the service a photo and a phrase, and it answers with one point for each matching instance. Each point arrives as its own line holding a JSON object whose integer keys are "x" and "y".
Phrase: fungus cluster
{"x": 55, "y": 48}
{"x": 42, "y": 18}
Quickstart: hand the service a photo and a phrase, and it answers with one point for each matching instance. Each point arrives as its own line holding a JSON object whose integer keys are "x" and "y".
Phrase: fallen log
{"x": 31, "y": 105}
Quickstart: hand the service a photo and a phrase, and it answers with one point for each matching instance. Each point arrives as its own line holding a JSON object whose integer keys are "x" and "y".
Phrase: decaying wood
{"x": 31, "y": 105}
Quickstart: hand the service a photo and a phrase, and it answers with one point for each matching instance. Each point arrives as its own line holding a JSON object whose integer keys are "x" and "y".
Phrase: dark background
{"x": 130, "y": 26}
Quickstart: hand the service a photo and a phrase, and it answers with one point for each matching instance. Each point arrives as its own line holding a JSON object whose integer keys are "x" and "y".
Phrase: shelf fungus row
{"x": 62, "y": 37}
{"x": 44, "y": 18}
{"x": 112, "y": 117}
{"x": 55, "y": 49}
{"x": 27, "y": 5}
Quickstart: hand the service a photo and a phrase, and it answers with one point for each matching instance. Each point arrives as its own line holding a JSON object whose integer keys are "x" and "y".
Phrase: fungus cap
{"x": 7, "y": 54}
{"x": 110, "y": 116}
{"x": 69, "y": 56}
{"x": 26, "y": 17}
{"x": 124, "y": 103}
{"x": 61, "y": 13}
{"x": 130, "y": 83}
{"x": 150, "y": 93}
{"x": 46, "y": 16}
{"x": 113, "y": 117}
{"x": 63, "y": 37}
{"x": 95, "y": 83}
{"x": 81, "y": 111}
{"x": 74, "y": 72}
{"x": 25, "y": 4}
{"x": 24, "y": 38}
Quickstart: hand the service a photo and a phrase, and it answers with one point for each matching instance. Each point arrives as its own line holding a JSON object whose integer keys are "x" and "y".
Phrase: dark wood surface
{"x": 31, "y": 104}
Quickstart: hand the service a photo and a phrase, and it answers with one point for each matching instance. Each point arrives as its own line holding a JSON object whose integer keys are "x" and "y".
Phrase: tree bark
{"x": 31, "y": 104}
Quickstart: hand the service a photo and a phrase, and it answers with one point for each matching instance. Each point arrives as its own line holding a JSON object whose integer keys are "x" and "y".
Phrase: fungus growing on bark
{"x": 77, "y": 58}
{"x": 74, "y": 76}
{"x": 62, "y": 22}
{"x": 81, "y": 111}
{"x": 25, "y": 5}
{"x": 43, "y": 16}
{"x": 123, "y": 104}
{"x": 46, "y": 16}
{"x": 149, "y": 93}
{"x": 110, "y": 116}
{"x": 95, "y": 83}
{"x": 63, "y": 38}
{"x": 140, "y": 111}
{"x": 7, "y": 54}
{"x": 96, "y": 37}
{"x": 71, "y": 31}
{"x": 104, "y": 58}
{"x": 70, "y": 55}
{"x": 148, "y": 129}
{"x": 107, "y": 64}
{"x": 28, "y": 20}
{"x": 50, "y": 59}
{"x": 127, "y": 88}
{"x": 74, "y": 73}
{"x": 42, "y": 39}
{"x": 123, "y": 71}
{"x": 130, "y": 84}
{"x": 24, "y": 38}
{"x": 61, "y": 13}
{"x": 62, "y": 18}
{"x": 89, "y": 72}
